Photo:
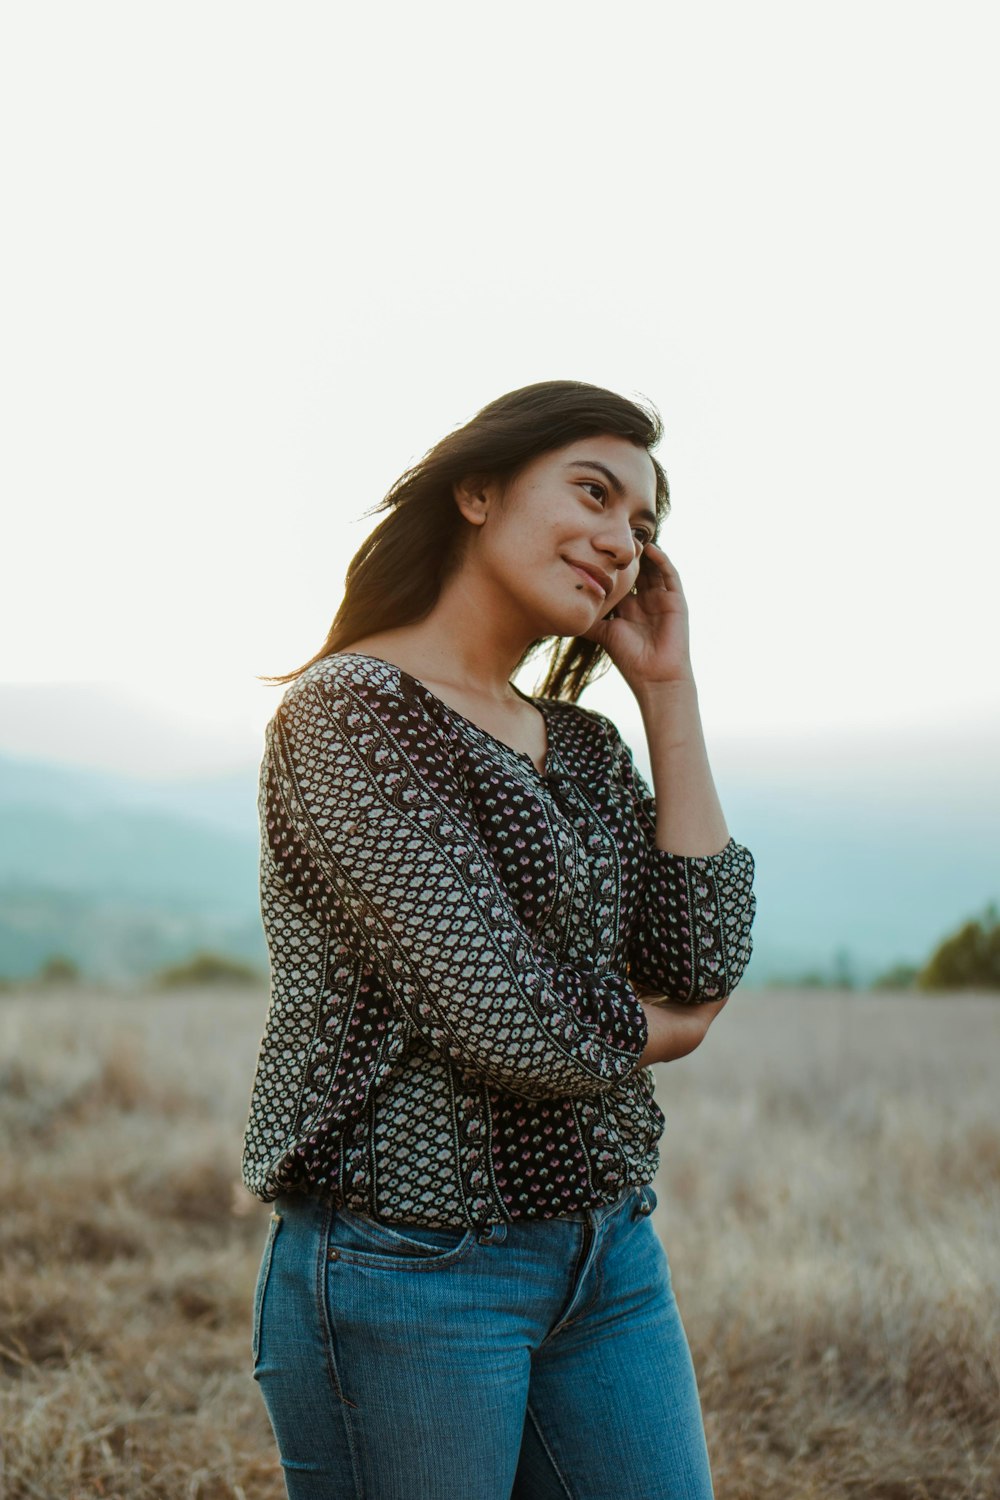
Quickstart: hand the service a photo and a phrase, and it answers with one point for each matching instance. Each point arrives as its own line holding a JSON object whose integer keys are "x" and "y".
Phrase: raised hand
{"x": 646, "y": 634}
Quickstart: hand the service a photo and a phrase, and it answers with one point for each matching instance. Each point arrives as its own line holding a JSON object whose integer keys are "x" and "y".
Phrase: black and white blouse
{"x": 453, "y": 1036}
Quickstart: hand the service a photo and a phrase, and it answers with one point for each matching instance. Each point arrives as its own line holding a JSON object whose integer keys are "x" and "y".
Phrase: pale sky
{"x": 258, "y": 259}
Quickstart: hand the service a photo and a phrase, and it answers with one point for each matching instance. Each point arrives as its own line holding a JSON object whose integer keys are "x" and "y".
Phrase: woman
{"x": 465, "y": 890}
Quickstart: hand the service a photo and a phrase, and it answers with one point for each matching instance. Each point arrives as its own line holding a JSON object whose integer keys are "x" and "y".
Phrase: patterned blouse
{"x": 453, "y": 1036}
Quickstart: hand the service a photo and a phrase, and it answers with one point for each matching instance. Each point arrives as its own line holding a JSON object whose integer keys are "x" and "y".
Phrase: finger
{"x": 661, "y": 562}
{"x": 656, "y": 553}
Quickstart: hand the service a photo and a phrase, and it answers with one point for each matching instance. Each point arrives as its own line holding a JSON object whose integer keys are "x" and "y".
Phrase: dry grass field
{"x": 829, "y": 1197}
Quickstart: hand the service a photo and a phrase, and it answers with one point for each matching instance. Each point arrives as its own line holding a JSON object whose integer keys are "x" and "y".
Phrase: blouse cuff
{"x": 691, "y": 941}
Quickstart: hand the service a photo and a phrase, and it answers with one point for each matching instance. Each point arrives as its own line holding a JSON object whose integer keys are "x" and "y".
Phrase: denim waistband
{"x": 604, "y": 1210}
{"x": 642, "y": 1198}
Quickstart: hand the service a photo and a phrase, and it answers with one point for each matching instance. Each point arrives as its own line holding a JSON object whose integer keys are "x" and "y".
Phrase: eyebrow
{"x": 615, "y": 482}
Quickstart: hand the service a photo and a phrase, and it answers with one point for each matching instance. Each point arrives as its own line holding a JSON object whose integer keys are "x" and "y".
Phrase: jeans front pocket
{"x": 361, "y": 1240}
{"x": 260, "y": 1289}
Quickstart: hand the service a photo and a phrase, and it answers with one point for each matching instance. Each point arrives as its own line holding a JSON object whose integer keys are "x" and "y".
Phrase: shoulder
{"x": 342, "y": 675}
{"x": 352, "y": 697}
{"x": 591, "y": 735}
{"x": 589, "y": 720}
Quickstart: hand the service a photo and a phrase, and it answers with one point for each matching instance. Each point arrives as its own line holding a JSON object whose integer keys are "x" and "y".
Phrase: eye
{"x": 645, "y": 535}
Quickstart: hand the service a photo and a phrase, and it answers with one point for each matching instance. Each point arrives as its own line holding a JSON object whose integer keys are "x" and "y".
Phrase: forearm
{"x": 675, "y": 1030}
{"x": 689, "y": 817}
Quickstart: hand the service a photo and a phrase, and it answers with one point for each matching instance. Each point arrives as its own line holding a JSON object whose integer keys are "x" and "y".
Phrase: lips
{"x": 601, "y": 580}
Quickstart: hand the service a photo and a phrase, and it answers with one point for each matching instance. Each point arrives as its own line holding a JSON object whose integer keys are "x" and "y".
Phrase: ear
{"x": 472, "y": 496}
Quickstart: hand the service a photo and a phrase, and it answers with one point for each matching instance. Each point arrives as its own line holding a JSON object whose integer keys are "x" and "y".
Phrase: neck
{"x": 479, "y": 660}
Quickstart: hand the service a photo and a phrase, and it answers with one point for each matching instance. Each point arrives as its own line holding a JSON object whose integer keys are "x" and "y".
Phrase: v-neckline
{"x": 511, "y": 749}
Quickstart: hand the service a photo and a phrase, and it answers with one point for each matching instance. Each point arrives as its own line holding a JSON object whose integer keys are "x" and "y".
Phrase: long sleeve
{"x": 690, "y": 940}
{"x": 367, "y": 817}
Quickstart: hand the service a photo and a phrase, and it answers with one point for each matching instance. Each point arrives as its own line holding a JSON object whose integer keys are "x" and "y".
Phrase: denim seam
{"x": 274, "y": 1225}
{"x": 595, "y": 1295}
{"x": 551, "y": 1456}
{"x": 434, "y": 1260}
{"x": 598, "y": 1276}
{"x": 390, "y": 1236}
{"x": 578, "y": 1264}
{"x": 325, "y": 1217}
{"x": 375, "y": 1262}
{"x": 598, "y": 1266}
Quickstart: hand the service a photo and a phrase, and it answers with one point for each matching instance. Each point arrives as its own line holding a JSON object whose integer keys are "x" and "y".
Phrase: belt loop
{"x": 644, "y": 1207}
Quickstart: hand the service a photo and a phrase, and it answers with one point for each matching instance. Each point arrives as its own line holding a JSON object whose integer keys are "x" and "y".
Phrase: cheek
{"x": 628, "y": 581}
{"x": 524, "y": 567}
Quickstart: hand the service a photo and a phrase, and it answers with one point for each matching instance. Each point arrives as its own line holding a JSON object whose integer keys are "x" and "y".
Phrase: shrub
{"x": 207, "y": 968}
{"x": 899, "y": 977}
{"x": 58, "y": 969}
{"x": 969, "y": 959}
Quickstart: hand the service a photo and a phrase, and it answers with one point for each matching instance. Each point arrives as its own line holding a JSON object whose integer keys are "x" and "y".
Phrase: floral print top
{"x": 453, "y": 1034}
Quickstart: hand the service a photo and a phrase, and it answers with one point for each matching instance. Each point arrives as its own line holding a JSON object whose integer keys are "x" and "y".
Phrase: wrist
{"x": 666, "y": 690}
{"x": 674, "y": 1030}
{"x": 670, "y": 710}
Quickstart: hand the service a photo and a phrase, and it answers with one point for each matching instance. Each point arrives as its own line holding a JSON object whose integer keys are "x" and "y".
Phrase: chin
{"x": 575, "y": 622}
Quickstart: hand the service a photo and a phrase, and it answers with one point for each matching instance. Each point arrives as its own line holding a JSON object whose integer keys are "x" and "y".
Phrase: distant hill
{"x": 869, "y": 849}
{"x": 220, "y": 800}
{"x": 124, "y": 875}
{"x": 856, "y": 884}
{"x": 867, "y": 855}
{"x": 116, "y": 938}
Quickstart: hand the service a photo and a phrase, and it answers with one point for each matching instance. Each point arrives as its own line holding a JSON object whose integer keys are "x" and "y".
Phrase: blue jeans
{"x": 537, "y": 1360}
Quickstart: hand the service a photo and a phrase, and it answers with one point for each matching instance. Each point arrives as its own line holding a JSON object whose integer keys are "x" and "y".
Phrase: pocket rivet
{"x": 333, "y": 1254}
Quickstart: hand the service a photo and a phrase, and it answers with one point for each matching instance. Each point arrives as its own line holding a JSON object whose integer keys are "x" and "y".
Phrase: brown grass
{"x": 829, "y": 1197}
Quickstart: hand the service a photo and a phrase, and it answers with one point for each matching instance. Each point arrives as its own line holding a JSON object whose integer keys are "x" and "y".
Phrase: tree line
{"x": 966, "y": 959}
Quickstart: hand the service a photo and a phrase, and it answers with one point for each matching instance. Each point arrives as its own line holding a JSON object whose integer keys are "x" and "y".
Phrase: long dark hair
{"x": 396, "y": 574}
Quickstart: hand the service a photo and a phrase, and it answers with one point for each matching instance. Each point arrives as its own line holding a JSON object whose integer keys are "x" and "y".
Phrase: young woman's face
{"x": 562, "y": 513}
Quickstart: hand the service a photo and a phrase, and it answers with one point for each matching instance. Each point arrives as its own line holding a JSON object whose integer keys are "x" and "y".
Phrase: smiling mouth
{"x": 588, "y": 578}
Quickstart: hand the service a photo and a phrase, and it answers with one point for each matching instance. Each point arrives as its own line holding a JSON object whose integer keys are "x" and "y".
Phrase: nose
{"x": 616, "y": 540}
